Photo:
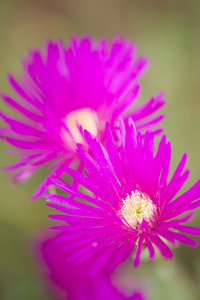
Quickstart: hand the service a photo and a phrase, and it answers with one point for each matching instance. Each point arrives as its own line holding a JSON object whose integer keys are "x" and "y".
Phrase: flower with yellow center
{"x": 114, "y": 220}
{"x": 69, "y": 88}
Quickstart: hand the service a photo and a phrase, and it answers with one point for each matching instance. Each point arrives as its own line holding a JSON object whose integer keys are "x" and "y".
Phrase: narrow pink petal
{"x": 164, "y": 249}
{"x": 166, "y": 234}
{"x": 184, "y": 239}
{"x": 139, "y": 251}
{"x": 187, "y": 229}
{"x": 150, "y": 247}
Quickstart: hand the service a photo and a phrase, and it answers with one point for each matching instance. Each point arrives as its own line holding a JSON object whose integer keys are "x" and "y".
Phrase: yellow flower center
{"x": 136, "y": 207}
{"x": 86, "y": 118}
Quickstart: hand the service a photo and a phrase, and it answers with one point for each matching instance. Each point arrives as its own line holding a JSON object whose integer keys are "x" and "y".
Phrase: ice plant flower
{"x": 133, "y": 204}
{"x": 68, "y": 89}
{"x": 73, "y": 281}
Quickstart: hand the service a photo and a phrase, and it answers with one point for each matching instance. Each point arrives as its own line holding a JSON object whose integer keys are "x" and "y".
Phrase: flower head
{"x": 133, "y": 205}
{"x": 69, "y": 89}
{"x": 73, "y": 280}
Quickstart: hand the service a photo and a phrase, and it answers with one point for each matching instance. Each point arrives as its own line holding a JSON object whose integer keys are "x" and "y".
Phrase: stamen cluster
{"x": 136, "y": 208}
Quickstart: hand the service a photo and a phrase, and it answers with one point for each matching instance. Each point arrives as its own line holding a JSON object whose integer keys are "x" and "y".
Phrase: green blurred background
{"x": 168, "y": 32}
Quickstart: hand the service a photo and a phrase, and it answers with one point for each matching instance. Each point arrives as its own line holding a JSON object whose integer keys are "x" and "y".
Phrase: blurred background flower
{"x": 63, "y": 279}
{"x": 68, "y": 89}
{"x": 167, "y": 32}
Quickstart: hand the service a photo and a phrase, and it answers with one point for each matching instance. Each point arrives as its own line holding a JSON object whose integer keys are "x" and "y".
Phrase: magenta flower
{"x": 69, "y": 89}
{"x": 74, "y": 281}
{"x": 133, "y": 205}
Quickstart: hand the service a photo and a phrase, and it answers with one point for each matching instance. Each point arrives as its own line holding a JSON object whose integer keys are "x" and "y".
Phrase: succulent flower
{"x": 132, "y": 205}
{"x": 69, "y": 89}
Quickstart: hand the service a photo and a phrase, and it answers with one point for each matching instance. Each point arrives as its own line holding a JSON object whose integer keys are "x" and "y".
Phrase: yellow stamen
{"x": 136, "y": 207}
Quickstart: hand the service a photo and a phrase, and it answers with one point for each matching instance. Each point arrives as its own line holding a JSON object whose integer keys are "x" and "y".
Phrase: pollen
{"x": 136, "y": 207}
{"x": 86, "y": 118}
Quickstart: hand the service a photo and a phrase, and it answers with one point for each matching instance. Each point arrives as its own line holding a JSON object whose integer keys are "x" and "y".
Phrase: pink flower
{"x": 69, "y": 89}
{"x": 77, "y": 284}
{"x": 133, "y": 206}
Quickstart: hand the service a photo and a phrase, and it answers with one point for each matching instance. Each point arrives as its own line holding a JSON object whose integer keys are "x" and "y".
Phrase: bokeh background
{"x": 168, "y": 32}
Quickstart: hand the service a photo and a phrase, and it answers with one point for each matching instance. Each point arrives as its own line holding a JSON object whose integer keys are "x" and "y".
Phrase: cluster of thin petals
{"x": 126, "y": 180}
{"x": 68, "y": 89}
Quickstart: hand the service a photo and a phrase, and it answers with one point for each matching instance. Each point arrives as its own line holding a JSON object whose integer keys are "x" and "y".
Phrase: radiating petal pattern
{"x": 133, "y": 203}
{"x": 68, "y": 89}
